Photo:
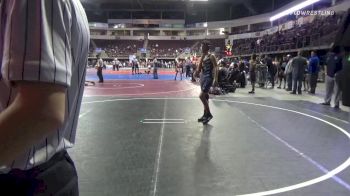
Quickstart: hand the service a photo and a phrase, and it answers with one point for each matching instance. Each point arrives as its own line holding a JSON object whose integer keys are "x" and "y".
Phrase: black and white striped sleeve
{"x": 37, "y": 41}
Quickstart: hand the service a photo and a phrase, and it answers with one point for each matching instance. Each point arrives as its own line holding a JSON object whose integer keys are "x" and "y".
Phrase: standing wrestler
{"x": 209, "y": 75}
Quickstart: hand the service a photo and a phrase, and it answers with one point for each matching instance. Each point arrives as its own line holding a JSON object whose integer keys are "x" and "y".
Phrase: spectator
{"x": 306, "y": 80}
{"x": 116, "y": 64}
{"x": 333, "y": 68}
{"x": 155, "y": 69}
{"x": 188, "y": 67}
{"x": 299, "y": 64}
{"x": 314, "y": 63}
{"x": 319, "y": 31}
{"x": 99, "y": 68}
{"x": 271, "y": 69}
{"x": 281, "y": 70}
{"x": 252, "y": 72}
{"x": 343, "y": 40}
{"x": 289, "y": 73}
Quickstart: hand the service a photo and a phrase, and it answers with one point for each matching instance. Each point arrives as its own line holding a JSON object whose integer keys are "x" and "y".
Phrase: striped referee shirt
{"x": 44, "y": 41}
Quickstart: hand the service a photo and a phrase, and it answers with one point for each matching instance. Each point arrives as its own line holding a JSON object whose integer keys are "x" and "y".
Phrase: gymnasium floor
{"x": 141, "y": 138}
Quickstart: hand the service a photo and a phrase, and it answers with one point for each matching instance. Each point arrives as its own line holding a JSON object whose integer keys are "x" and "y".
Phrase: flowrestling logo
{"x": 314, "y": 13}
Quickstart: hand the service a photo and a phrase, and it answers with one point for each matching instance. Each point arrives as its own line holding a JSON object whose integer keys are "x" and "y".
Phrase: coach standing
{"x": 299, "y": 64}
{"x": 343, "y": 40}
{"x": 333, "y": 70}
{"x": 44, "y": 49}
{"x": 272, "y": 69}
{"x": 314, "y": 64}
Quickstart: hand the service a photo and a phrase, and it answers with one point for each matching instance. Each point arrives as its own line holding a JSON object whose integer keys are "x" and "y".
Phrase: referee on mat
{"x": 44, "y": 49}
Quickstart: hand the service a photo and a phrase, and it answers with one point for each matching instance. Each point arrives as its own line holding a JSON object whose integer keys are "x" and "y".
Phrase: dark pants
{"x": 345, "y": 80}
{"x": 188, "y": 72}
{"x": 58, "y": 177}
{"x": 272, "y": 78}
{"x": 297, "y": 83}
{"x": 281, "y": 79}
{"x": 155, "y": 74}
{"x": 313, "y": 82}
{"x": 99, "y": 74}
{"x": 252, "y": 80}
{"x": 115, "y": 66}
{"x": 289, "y": 81}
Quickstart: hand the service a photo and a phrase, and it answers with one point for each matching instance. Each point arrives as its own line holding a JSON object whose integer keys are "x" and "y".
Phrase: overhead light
{"x": 119, "y": 26}
{"x": 222, "y": 31}
{"x": 293, "y": 9}
{"x": 205, "y": 24}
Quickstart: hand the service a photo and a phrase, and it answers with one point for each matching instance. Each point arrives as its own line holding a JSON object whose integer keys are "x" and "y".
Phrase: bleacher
{"x": 169, "y": 48}
{"x": 157, "y": 48}
{"x": 320, "y": 32}
{"x": 117, "y": 48}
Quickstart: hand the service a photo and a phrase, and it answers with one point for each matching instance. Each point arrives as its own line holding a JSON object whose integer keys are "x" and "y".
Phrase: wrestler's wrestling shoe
{"x": 207, "y": 119}
{"x": 201, "y": 119}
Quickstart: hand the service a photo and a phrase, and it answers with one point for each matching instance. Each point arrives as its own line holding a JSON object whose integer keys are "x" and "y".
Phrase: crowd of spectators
{"x": 169, "y": 48}
{"x": 214, "y": 43}
{"x": 157, "y": 48}
{"x": 117, "y": 48}
{"x": 320, "y": 31}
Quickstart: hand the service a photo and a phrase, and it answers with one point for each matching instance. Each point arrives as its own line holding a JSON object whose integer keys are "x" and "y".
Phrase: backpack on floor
{"x": 231, "y": 88}
{"x": 215, "y": 91}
